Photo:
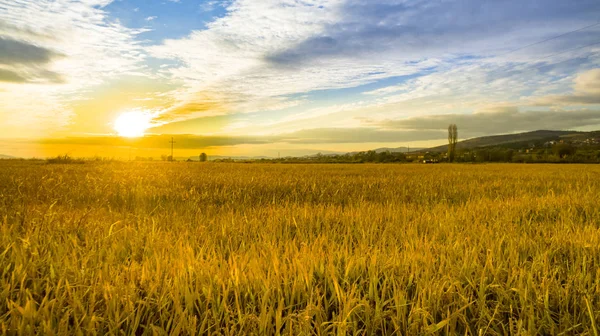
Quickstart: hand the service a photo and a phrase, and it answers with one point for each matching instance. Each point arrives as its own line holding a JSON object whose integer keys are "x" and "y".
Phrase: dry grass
{"x": 184, "y": 248}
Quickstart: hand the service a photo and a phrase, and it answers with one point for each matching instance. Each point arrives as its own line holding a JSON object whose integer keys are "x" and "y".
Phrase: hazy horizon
{"x": 190, "y": 146}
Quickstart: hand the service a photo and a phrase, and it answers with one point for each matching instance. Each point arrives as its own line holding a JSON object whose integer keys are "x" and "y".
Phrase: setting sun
{"x": 132, "y": 124}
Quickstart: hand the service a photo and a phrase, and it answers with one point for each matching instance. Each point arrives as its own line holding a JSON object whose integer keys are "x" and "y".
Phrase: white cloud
{"x": 211, "y": 5}
{"x": 586, "y": 91}
{"x": 231, "y": 57}
{"x": 293, "y": 47}
{"x": 151, "y": 18}
{"x": 499, "y": 120}
{"x": 92, "y": 49}
{"x": 31, "y": 110}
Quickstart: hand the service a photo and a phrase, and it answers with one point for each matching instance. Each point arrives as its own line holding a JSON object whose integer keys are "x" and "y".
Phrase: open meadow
{"x": 217, "y": 248}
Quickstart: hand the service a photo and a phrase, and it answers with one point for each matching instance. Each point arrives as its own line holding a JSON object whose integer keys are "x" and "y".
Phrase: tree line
{"x": 558, "y": 152}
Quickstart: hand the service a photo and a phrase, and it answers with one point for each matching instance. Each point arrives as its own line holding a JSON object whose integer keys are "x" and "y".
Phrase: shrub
{"x": 65, "y": 159}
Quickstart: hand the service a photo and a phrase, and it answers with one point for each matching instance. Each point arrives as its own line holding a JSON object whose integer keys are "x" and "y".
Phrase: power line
{"x": 538, "y": 67}
{"x": 550, "y": 39}
{"x": 540, "y": 42}
{"x": 492, "y": 72}
{"x": 172, "y": 142}
{"x": 566, "y": 51}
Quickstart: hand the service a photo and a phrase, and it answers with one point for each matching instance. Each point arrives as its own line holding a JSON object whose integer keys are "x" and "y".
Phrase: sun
{"x": 132, "y": 124}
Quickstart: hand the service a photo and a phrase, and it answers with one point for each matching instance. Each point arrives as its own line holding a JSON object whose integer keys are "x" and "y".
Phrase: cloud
{"x": 466, "y": 88}
{"x": 20, "y": 52}
{"x": 422, "y": 29}
{"x": 427, "y": 103}
{"x": 498, "y": 120}
{"x": 588, "y": 82}
{"x": 203, "y": 104}
{"x": 151, "y": 18}
{"x": 356, "y": 135}
{"x": 231, "y": 57}
{"x": 11, "y": 76}
{"x": 72, "y": 43}
{"x": 157, "y": 141}
{"x": 30, "y": 110}
{"x": 586, "y": 91}
{"x": 23, "y": 62}
{"x": 457, "y": 51}
{"x": 210, "y": 5}
{"x": 307, "y": 136}
{"x": 22, "y": 32}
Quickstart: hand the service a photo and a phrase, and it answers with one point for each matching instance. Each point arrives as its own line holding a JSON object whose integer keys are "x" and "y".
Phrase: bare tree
{"x": 452, "y": 140}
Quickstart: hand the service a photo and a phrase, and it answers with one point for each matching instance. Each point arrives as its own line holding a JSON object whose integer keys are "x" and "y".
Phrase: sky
{"x": 289, "y": 77}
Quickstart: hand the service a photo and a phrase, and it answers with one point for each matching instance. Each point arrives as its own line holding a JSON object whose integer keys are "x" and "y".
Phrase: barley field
{"x": 265, "y": 249}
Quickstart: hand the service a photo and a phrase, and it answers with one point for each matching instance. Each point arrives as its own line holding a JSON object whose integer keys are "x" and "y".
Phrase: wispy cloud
{"x": 66, "y": 42}
{"x": 297, "y": 47}
{"x": 11, "y": 76}
{"x": 498, "y": 121}
{"x": 586, "y": 92}
{"x": 21, "y": 52}
{"x": 211, "y": 5}
{"x": 303, "y": 137}
{"x": 25, "y": 62}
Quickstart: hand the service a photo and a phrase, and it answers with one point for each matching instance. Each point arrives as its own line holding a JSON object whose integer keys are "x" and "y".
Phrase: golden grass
{"x": 189, "y": 248}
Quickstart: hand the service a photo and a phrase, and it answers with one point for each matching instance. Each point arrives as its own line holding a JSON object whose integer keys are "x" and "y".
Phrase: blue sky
{"x": 166, "y": 19}
{"x": 318, "y": 72}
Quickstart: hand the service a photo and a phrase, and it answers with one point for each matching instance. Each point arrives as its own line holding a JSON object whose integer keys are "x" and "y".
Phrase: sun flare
{"x": 132, "y": 124}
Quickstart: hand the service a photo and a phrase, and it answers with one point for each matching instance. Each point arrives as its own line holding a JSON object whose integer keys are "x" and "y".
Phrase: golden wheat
{"x": 189, "y": 248}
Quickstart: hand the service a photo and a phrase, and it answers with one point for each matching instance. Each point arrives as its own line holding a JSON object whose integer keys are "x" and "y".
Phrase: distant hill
{"x": 258, "y": 157}
{"x": 397, "y": 150}
{"x": 518, "y": 138}
{"x": 6, "y": 157}
{"x": 391, "y": 150}
{"x": 219, "y": 157}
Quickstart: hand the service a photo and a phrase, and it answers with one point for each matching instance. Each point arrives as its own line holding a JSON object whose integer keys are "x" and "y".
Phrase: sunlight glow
{"x": 132, "y": 124}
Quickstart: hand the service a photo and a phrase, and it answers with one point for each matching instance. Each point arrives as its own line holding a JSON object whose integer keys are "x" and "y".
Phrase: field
{"x": 193, "y": 248}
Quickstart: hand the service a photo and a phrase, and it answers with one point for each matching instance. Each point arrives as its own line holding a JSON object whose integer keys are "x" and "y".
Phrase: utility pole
{"x": 172, "y": 143}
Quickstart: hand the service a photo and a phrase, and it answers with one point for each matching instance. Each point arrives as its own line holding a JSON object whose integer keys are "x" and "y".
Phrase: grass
{"x": 188, "y": 248}
{"x": 64, "y": 159}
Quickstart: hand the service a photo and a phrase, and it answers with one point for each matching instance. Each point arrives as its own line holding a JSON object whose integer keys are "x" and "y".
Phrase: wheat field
{"x": 264, "y": 249}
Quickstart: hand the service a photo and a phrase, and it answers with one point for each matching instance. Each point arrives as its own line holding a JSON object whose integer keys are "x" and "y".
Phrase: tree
{"x": 203, "y": 157}
{"x": 452, "y": 140}
{"x": 563, "y": 150}
{"x": 508, "y": 155}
